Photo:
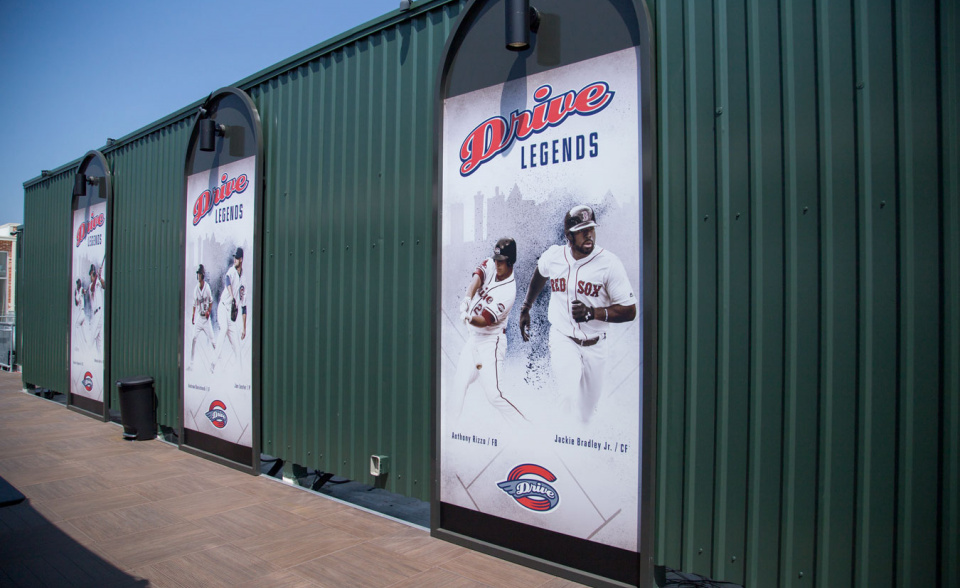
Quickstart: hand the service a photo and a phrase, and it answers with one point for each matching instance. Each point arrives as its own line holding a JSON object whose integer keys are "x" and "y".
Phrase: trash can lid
{"x": 134, "y": 381}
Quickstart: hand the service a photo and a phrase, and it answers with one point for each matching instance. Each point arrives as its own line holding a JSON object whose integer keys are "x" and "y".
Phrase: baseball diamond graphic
{"x": 589, "y": 499}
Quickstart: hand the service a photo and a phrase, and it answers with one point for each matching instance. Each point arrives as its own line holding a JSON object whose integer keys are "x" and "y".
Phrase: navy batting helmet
{"x": 506, "y": 250}
{"x": 578, "y": 218}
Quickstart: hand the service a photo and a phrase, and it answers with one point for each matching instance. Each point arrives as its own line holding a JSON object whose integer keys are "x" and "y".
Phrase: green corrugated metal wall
{"x": 17, "y": 295}
{"x": 949, "y": 40}
{"x": 348, "y": 254}
{"x": 147, "y": 220}
{"x": 809, "y": 396}
{"x": 43, "y": 276}
{"x": 809, "y": 288}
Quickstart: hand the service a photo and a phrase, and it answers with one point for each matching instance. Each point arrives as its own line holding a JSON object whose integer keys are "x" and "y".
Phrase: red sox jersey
{"x": 494, "y": 299}
{"x": 596, "y": 280}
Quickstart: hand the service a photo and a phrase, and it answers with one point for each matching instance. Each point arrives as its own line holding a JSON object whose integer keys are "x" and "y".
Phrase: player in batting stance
{"x": 589, "y": 289}
{"x": 232, "y": 304}
{"x": 484, "y": 310}
{"x": 79, "y": 314}
{"x": 202, "y": 299}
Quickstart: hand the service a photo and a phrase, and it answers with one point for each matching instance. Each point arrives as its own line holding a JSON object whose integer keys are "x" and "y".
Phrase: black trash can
{"x": 138, "y": 411}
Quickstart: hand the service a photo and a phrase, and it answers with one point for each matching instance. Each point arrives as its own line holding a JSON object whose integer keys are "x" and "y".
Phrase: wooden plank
{"x": 147, "y": 512}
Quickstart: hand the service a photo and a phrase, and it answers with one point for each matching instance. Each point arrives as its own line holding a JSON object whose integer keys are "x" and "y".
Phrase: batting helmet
{"x": 506, "y": 250}
{"x": 239, "y": 253}
{"x": 578, "y": 218}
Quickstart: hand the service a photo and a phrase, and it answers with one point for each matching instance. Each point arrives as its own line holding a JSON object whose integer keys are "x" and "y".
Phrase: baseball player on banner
{"x": 96, "y": 305}
{"x": 232, "y": 304}
{"x": 202, "y": 299}
{"x": 589, "y": 289}
{"x": 79, "y": 315}
{"x": 484, "y": 309}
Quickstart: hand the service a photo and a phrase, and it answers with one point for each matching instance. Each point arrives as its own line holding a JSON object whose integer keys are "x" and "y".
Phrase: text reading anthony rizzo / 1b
{"x": 491, "y": 441}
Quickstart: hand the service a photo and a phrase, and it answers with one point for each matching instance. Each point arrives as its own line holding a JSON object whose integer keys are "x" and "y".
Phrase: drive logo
{"x": 496, "y": 134}
{"x": 530, "y": 492}
{"x": 88, "y": 227}
{"x": 205, "y": 202}
{"x": 217, "y": 414}
{"x": 88, "y": 381}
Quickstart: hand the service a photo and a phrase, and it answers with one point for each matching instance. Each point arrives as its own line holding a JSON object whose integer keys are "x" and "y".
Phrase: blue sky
{"x": 75, "y": 73}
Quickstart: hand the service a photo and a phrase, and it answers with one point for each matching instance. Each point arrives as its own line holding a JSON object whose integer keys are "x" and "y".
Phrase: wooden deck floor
{"x": 101, "y": 511}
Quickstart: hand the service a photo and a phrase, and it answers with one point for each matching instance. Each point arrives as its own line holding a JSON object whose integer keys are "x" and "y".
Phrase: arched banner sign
{"x": 546, "y": 351}
{"x": 91, "y": 208}
{"x": 220, "y": 316}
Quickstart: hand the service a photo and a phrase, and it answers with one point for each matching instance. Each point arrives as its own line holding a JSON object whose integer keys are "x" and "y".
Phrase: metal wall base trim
{"x": 535, "y": 563}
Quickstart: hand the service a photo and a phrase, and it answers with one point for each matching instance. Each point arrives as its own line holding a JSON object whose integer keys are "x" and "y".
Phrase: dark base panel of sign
{"x": 229, "y": 454}
{"x": 84, "y": 405}
{"x": 593, "y": 558}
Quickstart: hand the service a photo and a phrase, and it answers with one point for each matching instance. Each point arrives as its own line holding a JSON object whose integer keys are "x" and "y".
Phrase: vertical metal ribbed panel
{"x": 43, "y": 321}
{"x": 17, "y": 293}
{"x": 148, "y": 218}
{"x": 808, "y": 393}
{"x": 949, "y": 58}
{"x": 348, "y": 254}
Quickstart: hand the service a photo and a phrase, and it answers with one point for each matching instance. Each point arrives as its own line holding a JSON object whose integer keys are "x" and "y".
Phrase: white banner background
{"x": 596, "y": 464}
{"x": 218, "y": 382}
{"x": 87, "y": 303}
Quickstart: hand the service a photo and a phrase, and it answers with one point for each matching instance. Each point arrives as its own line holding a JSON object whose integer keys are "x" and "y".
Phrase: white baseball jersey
{"x": 96, "y": 297}
{"x": 239, "y": 292}
{"x": 494, "y": 299}
{"x": 96, "y": 308}
{"x": 596, "y": 280}
{"x": 202, "y": 300}
{"x": 481, "y": 359}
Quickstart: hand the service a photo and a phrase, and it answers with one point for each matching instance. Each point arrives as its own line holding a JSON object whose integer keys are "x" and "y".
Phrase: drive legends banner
{"x": 89, "y": 244}
{"x": 217, "y": 350}
{"x": 541, "y": 191}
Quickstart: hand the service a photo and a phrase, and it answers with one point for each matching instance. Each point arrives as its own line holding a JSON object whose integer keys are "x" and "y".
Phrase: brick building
{"x": 8, "y": 255}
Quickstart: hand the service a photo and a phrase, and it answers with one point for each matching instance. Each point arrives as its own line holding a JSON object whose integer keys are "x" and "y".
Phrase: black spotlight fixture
{"x": 209, "y": 129}
{"x": 80, "y": 184}
{"x": 522, "y": 19}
